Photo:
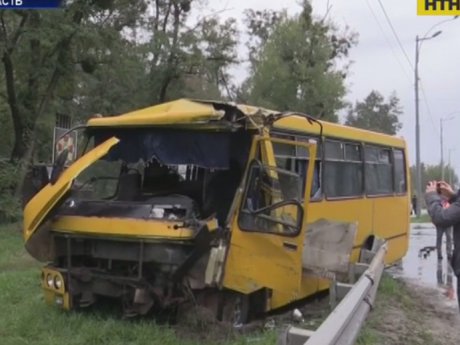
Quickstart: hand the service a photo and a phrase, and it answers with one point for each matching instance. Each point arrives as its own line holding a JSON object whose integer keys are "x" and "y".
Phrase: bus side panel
{"x": 351, "y": 210}
{"x": 391, "y": 221}
{"x": 309, "y": 286}
{"x": 397, "y": 248}
{"x": 347, "y": 210}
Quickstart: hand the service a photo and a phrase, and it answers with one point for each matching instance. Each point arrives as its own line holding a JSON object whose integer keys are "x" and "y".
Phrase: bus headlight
{"x": 49, "y": 280}
{"x": 57, "y": 282}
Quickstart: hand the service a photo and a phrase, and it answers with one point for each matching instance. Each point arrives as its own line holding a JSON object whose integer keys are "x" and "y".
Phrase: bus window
{"x": 343, "y": 170}
{"x": 399, "y": 171}
{"x": 295, "y": 159}
{"x": 271, "y": 202}
{"x": 379, "y": 175}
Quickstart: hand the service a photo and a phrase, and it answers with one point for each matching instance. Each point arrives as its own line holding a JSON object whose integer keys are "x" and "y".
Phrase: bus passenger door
{"x": 268, "y": 227}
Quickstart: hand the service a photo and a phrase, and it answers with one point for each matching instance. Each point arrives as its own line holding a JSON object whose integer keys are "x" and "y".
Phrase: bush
{"x": 10, "y": 207}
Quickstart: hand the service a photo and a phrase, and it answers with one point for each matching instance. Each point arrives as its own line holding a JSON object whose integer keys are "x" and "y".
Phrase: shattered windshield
{"x": 173, "y": 172}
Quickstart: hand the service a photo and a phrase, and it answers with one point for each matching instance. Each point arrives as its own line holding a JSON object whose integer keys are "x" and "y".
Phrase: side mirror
{"x": 59, "y": 165}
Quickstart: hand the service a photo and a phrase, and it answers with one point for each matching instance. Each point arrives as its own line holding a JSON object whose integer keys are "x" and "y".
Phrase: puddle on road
{"x": 424, "y": 267}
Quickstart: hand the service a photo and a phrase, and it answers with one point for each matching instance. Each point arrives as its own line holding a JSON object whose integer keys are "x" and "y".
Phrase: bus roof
{"x": 182, "y": 111}
{"x": 335, "y": 130}
{"x": 188, "y": 112}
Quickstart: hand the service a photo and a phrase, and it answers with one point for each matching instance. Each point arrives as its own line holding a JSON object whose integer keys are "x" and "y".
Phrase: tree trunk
{"x": 171, "y": 64}
{"x": 63, "y": 48}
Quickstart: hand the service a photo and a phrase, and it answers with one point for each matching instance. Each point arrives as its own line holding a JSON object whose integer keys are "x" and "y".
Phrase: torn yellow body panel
{"x": 182, "y": 111}
{"x": 43, "y": 202}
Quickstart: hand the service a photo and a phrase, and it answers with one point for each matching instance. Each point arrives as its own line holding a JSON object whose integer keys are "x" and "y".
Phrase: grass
{"x": 394, "y": 294}
{"x": 26, "y": 319}
{"x": 388, "y": 290}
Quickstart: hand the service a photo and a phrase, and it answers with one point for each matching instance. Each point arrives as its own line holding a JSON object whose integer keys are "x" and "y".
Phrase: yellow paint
{"x": 260, "y": 259}
{"x": 124, "y": 227}
{"x": 438, "y": 7}
{"x": 255, "y": 259}
{"x": 308, "y": 286}
{"x": 182, "y": 111}
{"x": 335, "y": 130}
{"x": 43, "y": 202}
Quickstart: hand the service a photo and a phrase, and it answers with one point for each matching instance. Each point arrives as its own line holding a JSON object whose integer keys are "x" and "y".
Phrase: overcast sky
{"x": 380, "y": 64}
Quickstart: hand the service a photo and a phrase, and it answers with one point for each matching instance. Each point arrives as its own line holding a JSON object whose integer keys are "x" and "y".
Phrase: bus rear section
{"x": 360, "y": 176}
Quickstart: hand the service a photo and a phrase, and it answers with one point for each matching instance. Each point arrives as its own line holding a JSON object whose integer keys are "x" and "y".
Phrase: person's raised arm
{"x": 440, "y": 216}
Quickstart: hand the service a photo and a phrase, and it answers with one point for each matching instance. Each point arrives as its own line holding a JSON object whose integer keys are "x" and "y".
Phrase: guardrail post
{"x": 295, "y": 336}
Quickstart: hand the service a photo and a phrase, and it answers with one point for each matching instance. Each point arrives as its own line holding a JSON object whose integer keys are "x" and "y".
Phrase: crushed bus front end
{"x": 135, "y": 217}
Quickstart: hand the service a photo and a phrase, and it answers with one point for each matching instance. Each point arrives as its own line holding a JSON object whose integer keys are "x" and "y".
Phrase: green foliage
{"x": 6, "y": 131}
{"x": 10, "y": 208}
{"x": 294, "y": 63}
{"x": 375, "y": 114}
{"x": 90, "y": 57}
{"x": 434, "y": 173}
{"x": 424, "y": 218}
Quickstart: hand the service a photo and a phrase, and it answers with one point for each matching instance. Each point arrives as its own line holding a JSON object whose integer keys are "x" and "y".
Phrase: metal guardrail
{"x": 344, "y": 323}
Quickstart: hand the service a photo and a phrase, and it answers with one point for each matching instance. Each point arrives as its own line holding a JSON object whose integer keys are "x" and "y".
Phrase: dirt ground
{"x": 412, "y": 315}
{"x": 404, "y": 314}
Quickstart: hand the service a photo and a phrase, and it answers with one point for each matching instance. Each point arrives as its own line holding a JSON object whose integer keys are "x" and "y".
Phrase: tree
{"x": 294, "y": 63}
{"x": 102, "y": 56}
{"x": 41, "y": 54}
{"x": 188, "y": 57}
{"x": 375, "y": 114}
{"x": 163, "y": 55}
{"x": 90, "y": 57}
{"x": 434, "y": 173}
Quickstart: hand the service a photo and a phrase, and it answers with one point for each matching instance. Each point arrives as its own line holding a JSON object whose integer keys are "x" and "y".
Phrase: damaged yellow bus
{"x": 208, "y": 203}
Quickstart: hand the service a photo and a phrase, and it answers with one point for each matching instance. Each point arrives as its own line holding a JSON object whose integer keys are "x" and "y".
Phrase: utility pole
{"x": 450, "y": 168}
{"x": 418, "y": 180}
{"x": 442, "y": 120}
{"x": 418, "y": 44}
{"x": 442, "y": 153}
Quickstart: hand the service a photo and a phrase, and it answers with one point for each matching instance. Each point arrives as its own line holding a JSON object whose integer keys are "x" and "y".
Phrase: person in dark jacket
{"x": 446, "y": 217}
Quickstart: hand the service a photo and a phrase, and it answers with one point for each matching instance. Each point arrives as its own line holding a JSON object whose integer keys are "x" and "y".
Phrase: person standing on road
{"x": 440, "y": 231}
{"x": 446, "y": 217}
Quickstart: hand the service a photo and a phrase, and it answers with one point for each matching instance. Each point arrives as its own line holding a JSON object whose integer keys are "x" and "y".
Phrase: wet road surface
{"x": 423, "y": 267}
